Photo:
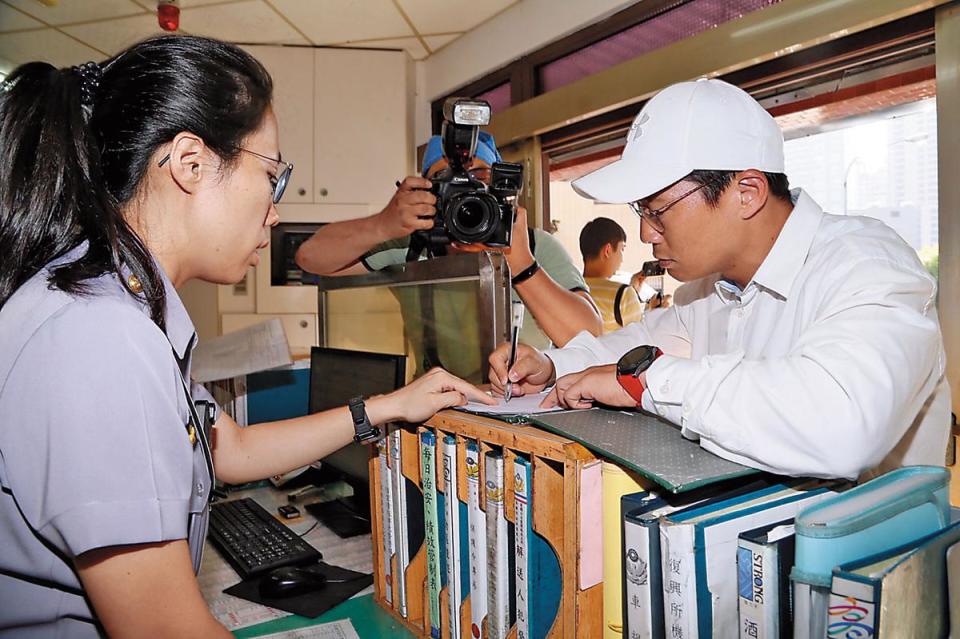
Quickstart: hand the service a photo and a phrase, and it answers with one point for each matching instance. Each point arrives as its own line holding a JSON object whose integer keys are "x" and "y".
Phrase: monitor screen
{"x": 336, "y": 376}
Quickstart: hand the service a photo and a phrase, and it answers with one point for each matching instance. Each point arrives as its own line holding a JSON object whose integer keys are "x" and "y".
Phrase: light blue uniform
{"x": 94, "y": 451}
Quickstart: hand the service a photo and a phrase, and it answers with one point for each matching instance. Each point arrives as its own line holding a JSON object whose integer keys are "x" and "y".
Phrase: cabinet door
{"x": 300, "y": 328}
{"x": 296, "y": 299}
{"x": 363, "y": 125}
{"x": 292, "y": 71}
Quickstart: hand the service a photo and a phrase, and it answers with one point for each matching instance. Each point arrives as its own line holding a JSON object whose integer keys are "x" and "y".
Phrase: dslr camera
{"x": 469, "y": 210}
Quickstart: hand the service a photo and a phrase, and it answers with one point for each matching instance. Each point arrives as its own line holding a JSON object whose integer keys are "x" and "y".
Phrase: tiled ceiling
{"x": 68, "y": 32}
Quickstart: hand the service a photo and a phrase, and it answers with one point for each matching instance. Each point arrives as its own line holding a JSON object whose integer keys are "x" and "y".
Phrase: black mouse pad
{"x": 310, "y": 604}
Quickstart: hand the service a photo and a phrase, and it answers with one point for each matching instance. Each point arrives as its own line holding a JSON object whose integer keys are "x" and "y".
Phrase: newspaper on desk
{"x": 255, "y": 348}
{"x": 341, "y": 629}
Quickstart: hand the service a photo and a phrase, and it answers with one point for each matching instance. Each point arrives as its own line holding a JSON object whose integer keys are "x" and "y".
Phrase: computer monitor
{"x": 336, "y": 376}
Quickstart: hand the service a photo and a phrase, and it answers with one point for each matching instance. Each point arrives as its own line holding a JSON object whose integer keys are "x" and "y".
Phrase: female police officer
{"x": 118, "y": 183}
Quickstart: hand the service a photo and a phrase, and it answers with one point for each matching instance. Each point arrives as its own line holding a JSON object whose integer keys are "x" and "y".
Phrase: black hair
{"x": 715, "y": 182}
{"x": 76, "y": 143}
{"x": 597, "y": 233}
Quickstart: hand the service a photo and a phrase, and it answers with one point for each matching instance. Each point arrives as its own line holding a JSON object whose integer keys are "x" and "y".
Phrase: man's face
{"x": 616, "y": 258}
{"x": 476, "y": 167}
{"x": 695, "y": 238}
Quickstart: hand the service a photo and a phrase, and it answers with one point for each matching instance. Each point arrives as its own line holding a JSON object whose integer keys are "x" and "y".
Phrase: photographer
{"x": 545, "y": 278}
{"x": 802, "y": 343}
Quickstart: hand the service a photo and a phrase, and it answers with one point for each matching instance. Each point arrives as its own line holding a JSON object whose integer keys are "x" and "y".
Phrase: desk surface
{"x": 247, "y": 619}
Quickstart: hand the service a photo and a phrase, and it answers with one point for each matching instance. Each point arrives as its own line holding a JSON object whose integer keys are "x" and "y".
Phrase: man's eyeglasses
{"x": 278, "y": 182}
{"x": 652, "y": 216}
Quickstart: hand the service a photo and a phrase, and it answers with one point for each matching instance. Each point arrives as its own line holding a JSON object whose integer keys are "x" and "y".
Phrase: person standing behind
{"x": 602, "y": 242}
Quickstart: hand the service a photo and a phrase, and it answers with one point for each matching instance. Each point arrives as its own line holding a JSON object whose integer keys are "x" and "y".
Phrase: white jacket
{"x": 829, "y": 364}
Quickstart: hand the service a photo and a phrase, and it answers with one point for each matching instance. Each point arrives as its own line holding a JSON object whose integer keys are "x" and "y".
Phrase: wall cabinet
{"x": 346, "y": 124}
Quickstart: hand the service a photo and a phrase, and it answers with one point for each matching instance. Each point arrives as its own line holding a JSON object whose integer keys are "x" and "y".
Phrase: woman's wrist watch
{"x": 365, "y": 431}
{"x": 631, "y": 365}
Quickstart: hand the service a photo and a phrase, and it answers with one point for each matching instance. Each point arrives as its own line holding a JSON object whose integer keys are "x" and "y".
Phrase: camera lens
{"x": 471, "y": 217}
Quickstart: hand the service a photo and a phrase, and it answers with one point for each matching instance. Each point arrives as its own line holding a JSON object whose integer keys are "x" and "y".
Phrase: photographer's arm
{"x": 337, "y": 248}
{"x": 560, "y": 312}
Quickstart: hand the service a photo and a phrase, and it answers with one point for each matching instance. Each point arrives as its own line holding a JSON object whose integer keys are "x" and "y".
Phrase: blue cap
{"x": 486, "y": 151}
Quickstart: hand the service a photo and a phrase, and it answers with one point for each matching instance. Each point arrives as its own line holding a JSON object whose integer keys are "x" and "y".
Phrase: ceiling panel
{"x": 249, "y": 22}
{"x": 411, "y": 45}
{"x": 115, "y": 35}
{"x": 437, "y": 42}
{"x": 77, "y": 10}
{"x": 343, "y": 21}
{"x": 430, "y": 16}
{"x": 48, "y": 45}
{"x": 12, "y": 20}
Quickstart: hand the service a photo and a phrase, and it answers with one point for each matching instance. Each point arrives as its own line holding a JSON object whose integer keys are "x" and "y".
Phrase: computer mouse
{"x": 290, "y": 581}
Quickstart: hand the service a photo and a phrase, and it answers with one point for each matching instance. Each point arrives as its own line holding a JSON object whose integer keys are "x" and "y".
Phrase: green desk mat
{"x": 369, "y": 620}
{"x": 644, "y": 443}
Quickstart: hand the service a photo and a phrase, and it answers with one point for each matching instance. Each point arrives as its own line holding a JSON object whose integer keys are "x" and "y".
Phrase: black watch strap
{"x": 365, "y": 431}
{"x": 526, "y": 273}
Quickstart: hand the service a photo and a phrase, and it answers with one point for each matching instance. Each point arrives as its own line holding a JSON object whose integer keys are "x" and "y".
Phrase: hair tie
{"x": 90, "y": 74}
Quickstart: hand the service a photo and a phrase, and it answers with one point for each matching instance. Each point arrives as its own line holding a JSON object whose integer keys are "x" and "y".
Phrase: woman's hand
{"x": 419, "y": 400}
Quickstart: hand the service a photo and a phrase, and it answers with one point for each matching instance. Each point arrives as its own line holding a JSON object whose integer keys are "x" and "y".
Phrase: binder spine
{"x": 643, "y": 606}
{"x": 498, "y": 587}
{"x": 757, "y": 590}
{"x": 522, "y": 478}
{"x": 452, "y": 532}
{"x": 400, "y": 521}
{"x": 679, "y": 581}
{"x": 478, "y": 541}
{"x": 386, "y": 517}
{"x": 853, "y": 609}
{"x": 428, "y": 473}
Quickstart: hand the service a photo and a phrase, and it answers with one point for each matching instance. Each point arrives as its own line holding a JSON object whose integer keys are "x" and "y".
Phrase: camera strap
{"x": 431, "y": 351}
{"x": 617, "y": 315}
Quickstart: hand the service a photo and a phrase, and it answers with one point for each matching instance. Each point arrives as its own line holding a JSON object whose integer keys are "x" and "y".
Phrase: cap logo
{"x": 636, "y": 129}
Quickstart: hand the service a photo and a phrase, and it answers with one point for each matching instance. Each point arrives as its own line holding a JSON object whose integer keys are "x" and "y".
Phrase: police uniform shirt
{"x": 94, "y": 451}
{"x": 829, "y": 363}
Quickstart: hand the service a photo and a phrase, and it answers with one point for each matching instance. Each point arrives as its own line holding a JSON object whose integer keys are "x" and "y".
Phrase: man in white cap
{"x": 801, "y": 343}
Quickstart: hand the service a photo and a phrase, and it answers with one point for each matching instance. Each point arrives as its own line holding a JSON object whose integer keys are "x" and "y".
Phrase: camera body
{"x": 469, "y": 210}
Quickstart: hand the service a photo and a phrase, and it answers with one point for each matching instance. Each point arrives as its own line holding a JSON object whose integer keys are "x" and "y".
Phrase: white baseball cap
{"x": 698, "y": 125}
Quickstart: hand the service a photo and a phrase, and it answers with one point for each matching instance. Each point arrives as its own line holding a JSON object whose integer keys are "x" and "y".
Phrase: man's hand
{"x": 531, "y": 372}
{"x": 581, "y": 390}
{"x": 411, "y": 208}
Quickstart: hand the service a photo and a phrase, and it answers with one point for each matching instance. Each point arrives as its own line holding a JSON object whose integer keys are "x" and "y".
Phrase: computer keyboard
{"x": 253, "y": 541}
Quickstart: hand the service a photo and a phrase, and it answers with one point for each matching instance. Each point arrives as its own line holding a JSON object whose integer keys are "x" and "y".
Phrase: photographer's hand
{"x": 410, "y": 209}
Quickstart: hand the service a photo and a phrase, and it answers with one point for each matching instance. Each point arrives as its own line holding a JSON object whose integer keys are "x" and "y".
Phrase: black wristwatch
{"x": 365, "y": 431}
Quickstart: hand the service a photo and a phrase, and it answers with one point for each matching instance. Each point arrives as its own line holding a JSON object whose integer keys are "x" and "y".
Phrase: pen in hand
{"x": 517, "y": 324}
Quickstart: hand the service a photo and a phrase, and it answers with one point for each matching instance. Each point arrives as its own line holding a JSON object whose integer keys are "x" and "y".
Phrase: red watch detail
{"x": 633, "y": 363}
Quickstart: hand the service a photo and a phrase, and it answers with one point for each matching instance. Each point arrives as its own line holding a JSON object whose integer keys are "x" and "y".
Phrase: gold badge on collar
{"x": 133, "y": 283}
{"x": 192, "y": 434}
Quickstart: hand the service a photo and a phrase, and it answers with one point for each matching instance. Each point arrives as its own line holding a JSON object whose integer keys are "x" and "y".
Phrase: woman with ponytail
{"x": 119, "y": 182}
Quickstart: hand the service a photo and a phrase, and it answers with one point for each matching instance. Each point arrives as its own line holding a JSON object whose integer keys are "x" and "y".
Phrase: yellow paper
{"x": 616, "y": 483}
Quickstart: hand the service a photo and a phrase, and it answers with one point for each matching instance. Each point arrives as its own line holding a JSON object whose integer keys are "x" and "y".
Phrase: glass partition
{"x": 448, "y": 311}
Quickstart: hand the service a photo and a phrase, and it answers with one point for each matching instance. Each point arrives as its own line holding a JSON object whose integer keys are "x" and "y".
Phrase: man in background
{"x": 602, "y": 242}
